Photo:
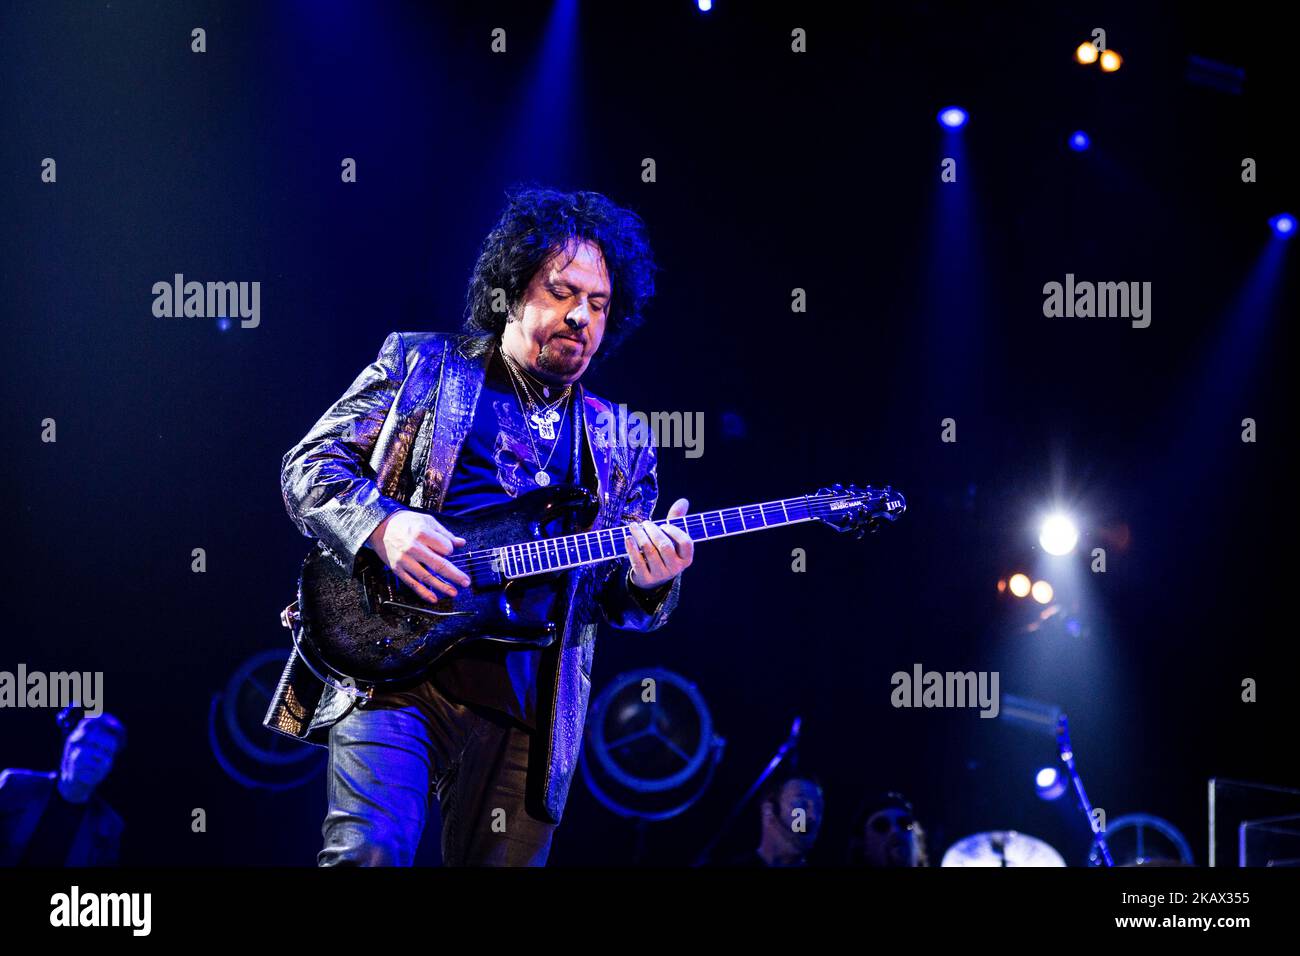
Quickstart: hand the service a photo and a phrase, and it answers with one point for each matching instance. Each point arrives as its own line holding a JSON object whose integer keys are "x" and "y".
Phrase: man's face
{"x": 799, "y": 828}
{"x": 888, "y": 839}
{"x": 88, "y": 755}
{"x": 558, "y": 326}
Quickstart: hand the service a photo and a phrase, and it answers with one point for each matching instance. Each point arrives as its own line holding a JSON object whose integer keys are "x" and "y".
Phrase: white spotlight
{"x": 1058, "y": 535}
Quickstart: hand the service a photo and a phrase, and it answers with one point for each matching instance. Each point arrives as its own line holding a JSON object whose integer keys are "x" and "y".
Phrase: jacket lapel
{"x": 597, "y": 453}
{"x": 460, "y": 382}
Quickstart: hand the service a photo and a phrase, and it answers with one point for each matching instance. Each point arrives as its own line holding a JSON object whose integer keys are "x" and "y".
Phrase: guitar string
{"x": 483, "y": 559}
{"x": 477, "y": 559}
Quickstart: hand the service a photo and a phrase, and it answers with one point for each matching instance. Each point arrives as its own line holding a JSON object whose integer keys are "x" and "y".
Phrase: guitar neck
{"x": 607, "y": 544}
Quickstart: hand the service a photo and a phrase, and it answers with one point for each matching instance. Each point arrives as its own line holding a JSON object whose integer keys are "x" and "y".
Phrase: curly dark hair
{"x": 538, "y": 223}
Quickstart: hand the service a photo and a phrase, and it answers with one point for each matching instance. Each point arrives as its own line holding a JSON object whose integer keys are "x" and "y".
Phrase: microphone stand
{"x": 1067, "y": 757}
{"x": 791, "y": 742}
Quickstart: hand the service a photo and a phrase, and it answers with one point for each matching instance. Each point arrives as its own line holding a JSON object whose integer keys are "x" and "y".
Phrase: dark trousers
{"x": 391, "y": 755}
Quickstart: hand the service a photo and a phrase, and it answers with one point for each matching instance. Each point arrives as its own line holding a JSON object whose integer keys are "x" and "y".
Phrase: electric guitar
{"x": 367, "y": 629}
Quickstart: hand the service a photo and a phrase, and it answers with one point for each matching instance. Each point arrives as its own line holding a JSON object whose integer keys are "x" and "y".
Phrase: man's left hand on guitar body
{"x": 659, "y": 552}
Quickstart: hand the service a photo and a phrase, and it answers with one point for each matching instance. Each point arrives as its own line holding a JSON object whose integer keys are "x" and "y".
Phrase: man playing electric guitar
{"x": 453, "y": 424}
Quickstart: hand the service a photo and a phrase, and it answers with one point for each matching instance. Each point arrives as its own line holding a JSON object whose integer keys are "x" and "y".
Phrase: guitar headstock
{"x": 856, "y": 509}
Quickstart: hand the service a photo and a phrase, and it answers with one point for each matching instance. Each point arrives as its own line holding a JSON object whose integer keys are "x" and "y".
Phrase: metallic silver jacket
{"x": 393, "y": 439}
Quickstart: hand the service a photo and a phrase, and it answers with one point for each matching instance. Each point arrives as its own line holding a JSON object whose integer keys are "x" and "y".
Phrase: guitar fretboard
{"x": 590, "y": 547}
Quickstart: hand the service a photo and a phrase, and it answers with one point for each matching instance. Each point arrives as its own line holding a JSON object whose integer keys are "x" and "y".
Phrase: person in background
{"x": 56, "y": 818}
{"x": 886, "y": 833}
{"x": 790, "y": 809}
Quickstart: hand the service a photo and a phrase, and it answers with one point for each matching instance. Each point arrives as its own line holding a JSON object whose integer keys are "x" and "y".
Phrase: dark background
{"x": 775, "y": 171}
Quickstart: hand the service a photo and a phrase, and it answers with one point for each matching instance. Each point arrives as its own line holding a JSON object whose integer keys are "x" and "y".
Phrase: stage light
{"x": 1283, "y": 225}
{"x": 1074, "y": 626}
{"x": 1019, "y": 585}
{"x": 705, "y": 5}
{"x": 953, "y": 117}
{"x": 1058, "y": 535}
{"x": 1049, "y": 783}
{"x": 1042, "y": 592}
{"x": 1110, "y": 61}
{"x": 1085, "y": 53}
{"x": 1079, "y": 141}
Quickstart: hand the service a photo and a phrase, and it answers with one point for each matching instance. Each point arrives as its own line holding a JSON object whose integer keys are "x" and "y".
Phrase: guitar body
{"x": 369, "y": 628}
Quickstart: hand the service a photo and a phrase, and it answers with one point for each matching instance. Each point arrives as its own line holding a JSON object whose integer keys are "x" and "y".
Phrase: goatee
{"x": 557, "y": 364}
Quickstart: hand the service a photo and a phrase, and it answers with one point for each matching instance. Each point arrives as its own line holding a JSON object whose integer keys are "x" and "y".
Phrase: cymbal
{"x": 1001, "y": 848}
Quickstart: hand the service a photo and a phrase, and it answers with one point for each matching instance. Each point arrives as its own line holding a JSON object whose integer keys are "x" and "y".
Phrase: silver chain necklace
{"x": 543, "y": 414}
{"x": 544, "y": 418}
{"x": 528, "y": 377}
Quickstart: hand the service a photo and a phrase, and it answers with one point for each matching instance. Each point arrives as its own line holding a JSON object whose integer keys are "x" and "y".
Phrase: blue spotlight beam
{"x": 1223, "y": 369}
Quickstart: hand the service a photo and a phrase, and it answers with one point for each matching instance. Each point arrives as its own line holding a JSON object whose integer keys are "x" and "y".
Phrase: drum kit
{"x": 1012, "y": 848}
{"x": 1002, "y": 848}
{"x": 651, "y": 763}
